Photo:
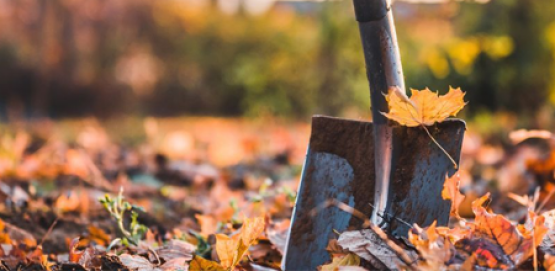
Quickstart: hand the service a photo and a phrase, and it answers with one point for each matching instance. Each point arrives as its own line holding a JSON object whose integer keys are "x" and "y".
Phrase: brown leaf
{"x": 137, "y": 262}
{"x": 176, "y": 249}
{"x": 370, "y": 246}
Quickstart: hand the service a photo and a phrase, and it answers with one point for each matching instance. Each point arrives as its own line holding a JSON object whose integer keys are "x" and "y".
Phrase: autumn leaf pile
{"x": 180, "y": 213}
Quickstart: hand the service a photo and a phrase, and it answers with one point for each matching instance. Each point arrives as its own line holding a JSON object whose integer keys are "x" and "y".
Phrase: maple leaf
{"x": 231, "y": 250}
{"x": 519, "y": 243}
{"x": 424, "y": 107}
{"x": 451, "y": 191}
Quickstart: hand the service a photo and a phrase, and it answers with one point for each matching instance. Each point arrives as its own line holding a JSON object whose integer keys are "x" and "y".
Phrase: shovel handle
{"x": 383, "y": 69}
{"x": 381, "y": 52}
{"x": 370, "y": 10}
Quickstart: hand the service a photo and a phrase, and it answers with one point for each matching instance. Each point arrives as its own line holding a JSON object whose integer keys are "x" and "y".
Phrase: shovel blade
{"x": 340, "y": 165}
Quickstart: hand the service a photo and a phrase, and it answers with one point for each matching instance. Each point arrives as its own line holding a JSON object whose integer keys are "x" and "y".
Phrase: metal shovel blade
{"x": 340, "y": 165}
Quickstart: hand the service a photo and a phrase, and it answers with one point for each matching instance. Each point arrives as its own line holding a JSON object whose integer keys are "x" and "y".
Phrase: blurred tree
{"x": 67, "y": 58}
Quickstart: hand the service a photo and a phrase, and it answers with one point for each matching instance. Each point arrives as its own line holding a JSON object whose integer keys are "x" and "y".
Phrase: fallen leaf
{"x": 74, "y": 255}
{"x": 231, "y": 250}
{"x": 451, "y": 191}
{"x": 200, "y": 264}
{"x": 351, "y": 268}
{"x": 368, "y": 245}
{"x": 435, "y": 248}
{"x": 252, "y": 228}
{"x": 346, "y": 260}
{"x": 519, "y": 245}
{"x": 176, "y": 249}
{"x": 208, "y": 225}
{"x": 99, "y": 236}
{"x": 424, "y": 107}
{"x": 226, "y": 248}
{"x": 549, "y": 262}
{"x": 137, "y": 262}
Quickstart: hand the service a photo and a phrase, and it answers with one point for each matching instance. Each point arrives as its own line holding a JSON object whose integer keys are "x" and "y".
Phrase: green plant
{"x": 117, "y": 208}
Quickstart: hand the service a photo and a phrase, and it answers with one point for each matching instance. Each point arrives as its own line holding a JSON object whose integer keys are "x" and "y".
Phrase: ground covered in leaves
{"x": 216, "y": 195}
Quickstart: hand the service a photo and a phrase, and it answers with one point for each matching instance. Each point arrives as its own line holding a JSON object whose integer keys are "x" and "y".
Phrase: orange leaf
{"x": 451, "y": 191}
{"x": 208, "y": 225}
{"x": 252, "y": 228}
{"x": 231, "y": 250}
{"x": 227, "y": 249}
{"x": 74, "y": 255}
{"x": 499, "y": 230}
{"x": 424, "y": 107}
{"x": 201, "y": 264}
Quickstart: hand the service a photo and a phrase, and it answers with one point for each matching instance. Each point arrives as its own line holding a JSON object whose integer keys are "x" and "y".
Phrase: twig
{"x": 440, "y": 147}
{"x": 394, "y": 247}
{"x": 48, "y": 232}
{"x": 155, "y": 255}
{"x": 546, "y": 199}
{"x": 344, "y": 207}
{"x": 387, "y": 216}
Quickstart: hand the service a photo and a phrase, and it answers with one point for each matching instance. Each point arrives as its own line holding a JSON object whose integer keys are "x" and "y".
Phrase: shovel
{"x": 391, "y": 173}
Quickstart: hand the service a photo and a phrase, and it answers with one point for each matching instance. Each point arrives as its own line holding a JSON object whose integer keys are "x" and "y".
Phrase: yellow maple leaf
{"x": 231, "y": 250}
{"x": 424, "y": 106}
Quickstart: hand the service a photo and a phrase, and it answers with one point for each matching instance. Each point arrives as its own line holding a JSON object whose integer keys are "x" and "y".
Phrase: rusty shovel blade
{"x": 340, "y": 165}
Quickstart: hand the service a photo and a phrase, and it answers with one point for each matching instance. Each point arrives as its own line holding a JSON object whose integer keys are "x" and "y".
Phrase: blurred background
{"x": 292, "y": 59}
{"x": 214, "y": 95}
{"x": 226, "y": 81}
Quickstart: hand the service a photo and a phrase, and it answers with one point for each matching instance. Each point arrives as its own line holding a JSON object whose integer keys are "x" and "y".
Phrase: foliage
{"x": 424, "y": 107}
{"x": 117, "y": 208}
{"x": 173, "y": 57}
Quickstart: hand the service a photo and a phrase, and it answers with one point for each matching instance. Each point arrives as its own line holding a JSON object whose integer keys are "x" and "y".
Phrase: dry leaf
{"x": 435, "y": 248}
{"x": 252, "y": 228}
{"x": 519, "y": 245}
{"x": 370, "y": 246}
{"x": 451, "y": 191}
{"x": 424, "y": 107}
{"x": 549, "y": 262}
{"x": 208, "y": 224}
{"x": 346, "y": 260}
{"x": 200, "y": 264}
{"x": 231, "y": 250}
{"x": 227, "y": 249}
{"x": 351, "y": 268}
{"x": 136, "y": 262}
{"x": 176, "y": 249}
{"x": 74, "y": 255}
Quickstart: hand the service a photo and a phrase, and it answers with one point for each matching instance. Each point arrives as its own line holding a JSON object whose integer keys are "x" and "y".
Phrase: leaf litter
{"x": 203, "y": 217}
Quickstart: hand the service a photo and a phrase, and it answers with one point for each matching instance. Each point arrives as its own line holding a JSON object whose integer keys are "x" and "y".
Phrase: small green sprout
{"x": 117, "y": 208}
